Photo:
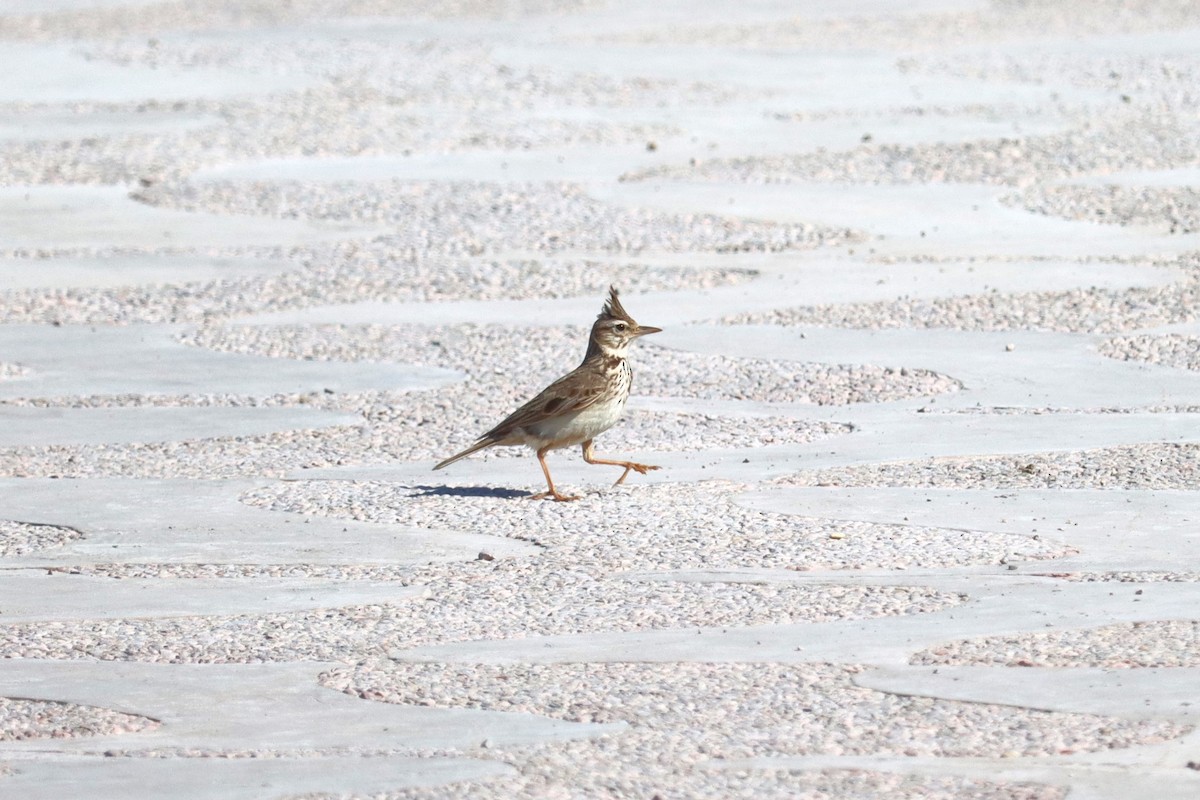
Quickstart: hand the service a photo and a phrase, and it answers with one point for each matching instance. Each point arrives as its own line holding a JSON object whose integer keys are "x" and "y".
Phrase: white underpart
{"x": 572, "y": 429}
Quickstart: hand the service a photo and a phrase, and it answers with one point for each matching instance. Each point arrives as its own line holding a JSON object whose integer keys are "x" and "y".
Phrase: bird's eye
{"x": 620, "y": 326}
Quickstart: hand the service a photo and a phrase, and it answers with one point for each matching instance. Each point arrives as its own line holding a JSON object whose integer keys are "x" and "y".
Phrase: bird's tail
{"x": 475, "y": 448}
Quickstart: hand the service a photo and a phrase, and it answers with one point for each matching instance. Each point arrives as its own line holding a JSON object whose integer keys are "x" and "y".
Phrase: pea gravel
{"x": 473, "y": 218}
{"x": 1164, "y": 82}
{"x": 1155, "y": 643}
{"x": 663, "y": 527}
{"x": 1084, "y": 310}
{"x": 176, "y": 15}
{"x": 346, "y": 572}
{"x": 322, "y": 121}
{"x": 1128, "y": 143}
{"x": 344, "y": 273}
{"x": 567, "y": 771}
{"x": 1168, "y": 350}
{"x": 22, "y": 719}
{"x": 18, "y": 538}
{"x": 1139, "y": 466}
{"x": 988, "y": 24}
{"x": 1175, "y": 209}
{"x": 509, "y": 603}
{"x": 1148, "y": 576}
{"x": 415, "y": 74}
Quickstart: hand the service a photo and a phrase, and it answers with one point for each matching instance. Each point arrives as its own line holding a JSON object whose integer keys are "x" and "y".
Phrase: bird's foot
{"x": 640, "y": 469}
{"x": 562, "y": 498}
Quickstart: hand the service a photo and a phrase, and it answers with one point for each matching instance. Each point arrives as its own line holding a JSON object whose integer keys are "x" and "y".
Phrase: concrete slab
{"x": 997, "y": 606}
{"x": 276, "y": 710}
{"x": 42, "y": 596}
{"x": 56, "y": 73}
{"x": 252, "y": 779}
{"x": 1114, "y": 530}
{"x": 61, "y": 217}
{"x": 1145, "y": 693}
{"x": 25, "y": 427}
{"x": 1010, "y": 368}
{"x": 42, "y": 124}
{"x": 130, "y": 270}
{"x": 138, "y": 521}
{"x": 956, "y": 220}
{"x": 149, "y": 359}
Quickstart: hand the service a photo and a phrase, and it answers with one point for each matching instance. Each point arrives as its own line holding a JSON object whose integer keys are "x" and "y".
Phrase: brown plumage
{"x": 578, "y": 406}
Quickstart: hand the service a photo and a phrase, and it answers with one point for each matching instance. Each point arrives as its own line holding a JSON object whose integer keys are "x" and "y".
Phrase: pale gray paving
{"x": 77, "y": 360}
{"x": 70, "y": 216}
{"x": 172, "y": 522}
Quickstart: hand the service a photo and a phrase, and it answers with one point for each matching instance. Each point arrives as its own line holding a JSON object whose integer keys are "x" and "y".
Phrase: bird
{"x": 580, "y": 405}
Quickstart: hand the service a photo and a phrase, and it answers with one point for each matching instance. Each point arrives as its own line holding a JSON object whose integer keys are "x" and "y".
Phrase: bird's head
{"x": 614, "y": 329}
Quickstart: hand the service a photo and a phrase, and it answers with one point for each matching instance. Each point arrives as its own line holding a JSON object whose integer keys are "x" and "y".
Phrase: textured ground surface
{"x": 925, "y": 403}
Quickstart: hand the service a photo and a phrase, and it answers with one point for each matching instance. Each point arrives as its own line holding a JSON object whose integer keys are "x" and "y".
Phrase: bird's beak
{"x": 642, "y": 330}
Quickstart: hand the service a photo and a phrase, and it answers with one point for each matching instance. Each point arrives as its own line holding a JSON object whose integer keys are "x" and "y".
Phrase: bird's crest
{"x": 613, "y": 308}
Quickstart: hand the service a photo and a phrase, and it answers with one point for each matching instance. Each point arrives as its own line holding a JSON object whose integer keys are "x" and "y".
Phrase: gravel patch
{"x": 1158, "y": 643}
{"x": 1084, "y": 310}
{"x": 340, "y": 572}
{"x": 781, "y": 709}
{"x": 111, "y": 21}
{"x": 21, "y": 720}
{"x": 18, "y": 538}
{"x": 337, "y": 120}
{"x": 271, "y": 455}
{"x": 508, "y": 601}
{"x": 1166, "y": 81}
{"x": 464, "y": 218}
{"x": 593, "y": 769}
{"x": 663, "y": 527}
{"x": 1141, "y": 466}
{"x": 997, "y": 21}
{"x": 1039, "y": 410}
{"x": 348, "y": 273}
{"x": 433, "y": 74}
{"x": 1133, "y": 143}
{"x": 9, "y": 371}
{"x": 1177, "y": 209}
{"x": 1168, "y": 350}
{"x": 1126, "y": 577}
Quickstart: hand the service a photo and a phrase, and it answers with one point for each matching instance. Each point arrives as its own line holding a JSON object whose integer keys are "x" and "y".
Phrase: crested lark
{"x": 578, "y": 406}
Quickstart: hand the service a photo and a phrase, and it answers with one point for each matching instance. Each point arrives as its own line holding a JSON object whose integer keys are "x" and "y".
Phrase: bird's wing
{"x": 573, "y": 392}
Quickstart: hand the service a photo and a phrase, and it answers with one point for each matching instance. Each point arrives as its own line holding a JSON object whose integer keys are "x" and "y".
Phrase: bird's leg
{"x": 553, "y": 493}
{"x": 590, "y": 458}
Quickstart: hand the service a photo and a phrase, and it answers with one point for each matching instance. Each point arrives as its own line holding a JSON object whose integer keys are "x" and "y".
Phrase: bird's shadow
{"x": 467, "y": 491}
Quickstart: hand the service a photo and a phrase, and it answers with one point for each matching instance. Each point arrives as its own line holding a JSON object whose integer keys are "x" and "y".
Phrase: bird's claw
{"x": 641, "y": 469}
{"x": 562, "y": 498}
